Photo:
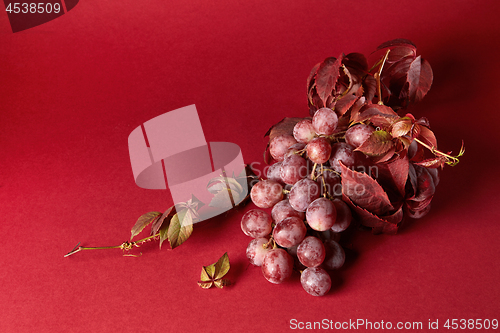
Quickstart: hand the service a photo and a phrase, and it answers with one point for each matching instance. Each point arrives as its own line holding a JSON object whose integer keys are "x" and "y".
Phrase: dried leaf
{"x": 143, "y": 221}
{"x": 205, "y": 285}
{"x": 222, "y": 283}
{"x": 378, "y": 144}
{"x": 180, "y": 228}
{"x": 222, "y": 267}
{"x": 213, "y": 274}
{"x": 364, "y": 191}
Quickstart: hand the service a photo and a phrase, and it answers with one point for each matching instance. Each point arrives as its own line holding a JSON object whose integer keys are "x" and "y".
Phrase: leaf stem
{"x": 377, "y": 77}
{"x": 450, "y": 160}
{"x": 125, "y": 246}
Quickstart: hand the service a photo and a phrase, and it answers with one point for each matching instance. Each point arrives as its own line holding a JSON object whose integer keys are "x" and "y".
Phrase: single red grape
{"x": 277, "y": 265}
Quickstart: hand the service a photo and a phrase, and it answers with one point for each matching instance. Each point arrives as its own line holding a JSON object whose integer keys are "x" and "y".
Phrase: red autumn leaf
{"x": 356, "y": 61}
{"x": 395, "y": 174}
{"x": 364, "y": 191}
{"x": 401, "y": 127}
{"x": 370, "y": 86}
{"x": 344, "y": 103}
{"x": 285, "y": 126}
{"x": 159, "y": 222}
{"x": 397, "y": 42}
{"x": 327, "y": 76}
{"x": 427, "y": 136}
{"x": 420, "y": 79}
{"x": 310, "y": 81}
{"x": 380, "y": 224}
{"x": 378, "y": 144}
{"x": 379, "y": 115}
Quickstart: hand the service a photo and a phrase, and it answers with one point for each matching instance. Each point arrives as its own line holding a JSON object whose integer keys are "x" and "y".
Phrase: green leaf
{"x": 213, "y": 274}
{"x": 143, "y": 221}
{"x": 180, "y": 228}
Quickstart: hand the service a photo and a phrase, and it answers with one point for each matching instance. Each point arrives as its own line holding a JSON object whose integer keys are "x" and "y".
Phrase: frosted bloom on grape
{"x": 303, "y": 193}
{"x": 344, "y": 216}
{"x": 277, "y": 266}
{"x": 303, "y": 131}
{"x": 342, "y": 152}
{"x": 266, "y": 193}
{"x": 357, "y": 134}
{"x": 289, "y": 232}
{"x": 283, "y": 209}
{"x": 256, "y": 251}
{"x": 273, "y": 172}
{"x": 279, "y": 145}
{"x": 325, "y": 121}
{"x": 293, "y": 169}
{"x": 335, "y": 255}
{"x": 256, "y": 223}
{"x": 316, "y": 281}
{"x": 311, "y": 252}
{"x": 321, "y": 214}
{"x": 319, "y": 150}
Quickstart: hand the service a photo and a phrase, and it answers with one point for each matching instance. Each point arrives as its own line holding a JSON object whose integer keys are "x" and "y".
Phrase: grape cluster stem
{"x": 125, "y": 246}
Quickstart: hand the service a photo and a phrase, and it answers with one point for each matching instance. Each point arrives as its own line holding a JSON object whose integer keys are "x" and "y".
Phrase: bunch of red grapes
{"x": 313, "y": 195}
{"x": 321, "y": 176}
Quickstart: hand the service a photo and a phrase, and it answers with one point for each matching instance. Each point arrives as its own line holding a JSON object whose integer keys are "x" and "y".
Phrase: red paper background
{"x": 73, "y": 89}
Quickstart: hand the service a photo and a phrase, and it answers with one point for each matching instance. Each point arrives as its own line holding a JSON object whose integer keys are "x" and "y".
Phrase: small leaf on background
{"x": 213, "y": 274}
{"x": 364, "y": 191}
{"x": 143, "y": 221}
{"x": 377, "y": 144}
{"x": 222, "y": 267}
{"x": 326, "y": 77}
{"x": 180, "y": 228}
